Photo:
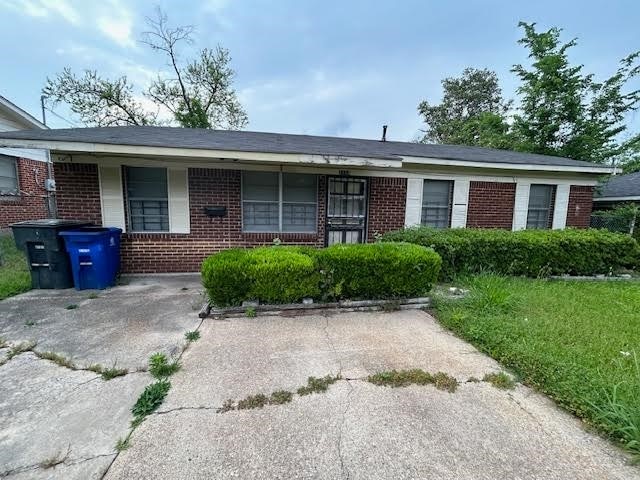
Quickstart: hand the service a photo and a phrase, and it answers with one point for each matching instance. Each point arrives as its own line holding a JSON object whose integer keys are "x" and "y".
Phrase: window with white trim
{"x": 8, "y": 175}
{"x": 147, "y": 199}
{"x": 539, "y": 212}
{"x": 436, "y": 203}
{"x": 274, "y": 202}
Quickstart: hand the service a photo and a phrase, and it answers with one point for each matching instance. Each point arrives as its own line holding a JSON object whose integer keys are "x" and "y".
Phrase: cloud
{"x": 45, "y": 9}
{"x": 116, "y": 22}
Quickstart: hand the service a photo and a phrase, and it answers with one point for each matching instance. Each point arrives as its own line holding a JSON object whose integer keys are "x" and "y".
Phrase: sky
{"x": 325, "y": 67}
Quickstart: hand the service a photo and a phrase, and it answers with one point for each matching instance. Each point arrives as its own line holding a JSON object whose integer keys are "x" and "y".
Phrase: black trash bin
{"x": 48, "y": 259}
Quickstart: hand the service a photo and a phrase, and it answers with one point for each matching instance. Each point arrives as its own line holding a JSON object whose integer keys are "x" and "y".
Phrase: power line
{"x": 61, "y": 117}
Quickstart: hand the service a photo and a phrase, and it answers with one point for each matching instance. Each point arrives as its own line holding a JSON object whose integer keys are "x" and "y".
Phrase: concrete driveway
{"x": 62, "y": 423}
{"x": 58, "y": 422}
{"x": 354, "y": 430}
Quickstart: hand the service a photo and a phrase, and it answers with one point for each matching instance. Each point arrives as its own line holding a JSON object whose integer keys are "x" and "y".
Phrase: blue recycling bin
{"x": 95, "y": 256}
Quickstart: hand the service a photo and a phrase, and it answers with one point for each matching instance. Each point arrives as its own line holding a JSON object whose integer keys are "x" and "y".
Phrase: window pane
{"x": 260, "y": 216}
{"x": 298, "y": 187}
{"x": 298, "y": 217}
{"x": 262, "y": 186}
{"x": 148, "y": 199}
{"x": 8, "y": 175}
{"x": 436, "y": 203}
{"x": 539, "y": 206}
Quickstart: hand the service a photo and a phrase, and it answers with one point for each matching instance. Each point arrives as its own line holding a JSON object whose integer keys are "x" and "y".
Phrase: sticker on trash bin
{"x": 84, "y": 250}
{"x": 38, "y": 246}
{"x": 112, "y": 242}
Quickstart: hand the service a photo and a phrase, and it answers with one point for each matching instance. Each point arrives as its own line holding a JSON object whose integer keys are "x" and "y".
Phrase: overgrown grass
{"x": 14, "y": 271}
{"x": 160, "y": 367}
{"x": 151, "y": 398}
{"x": 317, "y": 385}
{"x": 415, "y": 376}
{"x": 575, "y": 341}
{"x": 500, "y": 380}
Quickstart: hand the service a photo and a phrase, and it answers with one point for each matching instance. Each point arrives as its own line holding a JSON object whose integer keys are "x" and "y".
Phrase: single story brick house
{"x": 618, "y": 189}
{"x": 181, "y": 194}
{"x": 23, "y": 172}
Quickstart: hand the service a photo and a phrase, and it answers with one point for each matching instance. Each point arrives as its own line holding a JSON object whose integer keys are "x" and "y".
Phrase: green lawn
{"x": 578, "y": 342}
{"x": 14, "y": 272}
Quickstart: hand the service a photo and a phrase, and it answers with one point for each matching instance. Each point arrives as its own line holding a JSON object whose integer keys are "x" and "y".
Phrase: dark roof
{"x": 284, "y": 143}
{"x": 620, "y": 186}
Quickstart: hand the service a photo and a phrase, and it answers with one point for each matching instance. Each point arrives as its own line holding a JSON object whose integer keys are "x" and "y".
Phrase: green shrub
{"x": 288, "y": 274}
{"x": 528, "y": 252}
{"x": 378, "y": 270}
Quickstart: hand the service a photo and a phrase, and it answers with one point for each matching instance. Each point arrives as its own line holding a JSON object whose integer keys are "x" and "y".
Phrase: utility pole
{"x": 44, "y": 116}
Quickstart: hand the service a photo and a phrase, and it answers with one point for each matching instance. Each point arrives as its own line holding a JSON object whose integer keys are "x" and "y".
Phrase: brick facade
{"x": 491, "y": 205}
{"x": 387, "y": 203}
{"x": 31, "y": 203}
{"x": 78, "y": 191}
{"x": 580, "y": 206}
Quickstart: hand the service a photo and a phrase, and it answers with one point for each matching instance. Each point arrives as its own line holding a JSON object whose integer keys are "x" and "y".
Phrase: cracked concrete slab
{"x": 361, "y": 431}
{"x": 239, "y": 356}
{"x": 124, "y": 325}
{"x": 52, "y": 412}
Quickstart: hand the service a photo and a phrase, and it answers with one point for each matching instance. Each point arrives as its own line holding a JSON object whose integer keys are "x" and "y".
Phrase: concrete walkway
{"x": 58, "y": 422}
{"x": 355, "y": 430}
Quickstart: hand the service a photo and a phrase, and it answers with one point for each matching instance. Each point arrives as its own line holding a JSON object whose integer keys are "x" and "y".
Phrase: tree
{"x": 630, "y": 161}
{"x": 472, "y": 111}
{"x": 198, "y": 93}
{"x": 566, "y": 112}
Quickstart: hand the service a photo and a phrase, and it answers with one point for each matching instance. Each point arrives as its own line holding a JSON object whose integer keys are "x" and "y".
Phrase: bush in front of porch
{"x": 282, "y": 274}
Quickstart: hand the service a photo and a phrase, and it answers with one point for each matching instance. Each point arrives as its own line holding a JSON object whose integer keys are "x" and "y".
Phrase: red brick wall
{"x": 491, "y": 205}
{"x": 580, "y": 206}
{"x": 78, "y": 192}
{"x": 387, "y": 203}
{"x": 31, "y": 204}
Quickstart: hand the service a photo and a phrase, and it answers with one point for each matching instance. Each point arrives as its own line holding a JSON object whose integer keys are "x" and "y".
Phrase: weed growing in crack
{"x": 473, "y": 380}
{"x": 253, "y": 401}
{"x": 112, "y": 372}
{"x": 29, "y": 323}
{"x": 71, "y": 306}
{"x": 443, "y": 381}
{"x": 250, "y": 312}
{"x": 160, "y": 367}
{"x": 55, "y": 460}
{"x": 3, "y": 343}
{"x": 500, "y": 380}
{"x": 280, "y": 397}
{"x": 20, "y": 348}
{"x": 227, "y": 406}
{"x": 150, "y": 399}
{"x": 122, "y": 444}
{"x": 317, "y": 385}
{"x": 192, "y": 336}
{"x": 57, "y": 359}
{"x": 415, "y": 376}
{"x": 93, "y": 296}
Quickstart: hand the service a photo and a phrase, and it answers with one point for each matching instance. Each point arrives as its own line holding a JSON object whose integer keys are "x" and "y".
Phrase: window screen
{"x": 147, "y": 199}
{"x": 299, "y": 199}
{"x": 436, "y": 203}
{"x": 539, "y": 212}
{"x": 279, "y": 202}
{"x": 8, "y": 176}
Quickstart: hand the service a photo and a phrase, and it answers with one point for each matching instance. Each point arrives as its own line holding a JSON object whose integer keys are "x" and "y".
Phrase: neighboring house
{"x": 22, "y": 171}
{"x": 618, "y": 189}
{"x": 182, "y": 194}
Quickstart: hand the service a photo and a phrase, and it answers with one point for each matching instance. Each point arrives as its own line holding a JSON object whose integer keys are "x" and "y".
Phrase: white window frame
{"x": 280, "y": 201}
{"x": 449, "y": 205}
{"x": 550, "y": 208}
{"x": 14, "y": 161}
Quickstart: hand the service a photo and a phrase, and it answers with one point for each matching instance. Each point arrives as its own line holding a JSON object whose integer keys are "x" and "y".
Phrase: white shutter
{"x": 521, "y": 207}
{"x": 111, "y": 197}
{"x": 561, "y": 206}
{"x": 460, "y": 203}
{"x": 177, "y": 181}
{"x": 413, "y": 208}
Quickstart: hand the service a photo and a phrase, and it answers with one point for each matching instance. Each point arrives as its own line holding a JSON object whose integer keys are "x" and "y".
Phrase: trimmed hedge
{"x": 281, "y": 274}
{"x": 528, "y": 252}
{"x": 377, "y": 270}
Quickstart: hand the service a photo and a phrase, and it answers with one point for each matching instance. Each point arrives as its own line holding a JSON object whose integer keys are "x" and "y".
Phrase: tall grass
{"x": 575, "y": 341}
{"x": 14, "y": 271}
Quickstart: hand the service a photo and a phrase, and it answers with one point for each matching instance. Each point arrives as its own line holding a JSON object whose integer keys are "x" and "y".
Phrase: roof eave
{"x": 22, "y": 114}
{"x": 631, "y": 198}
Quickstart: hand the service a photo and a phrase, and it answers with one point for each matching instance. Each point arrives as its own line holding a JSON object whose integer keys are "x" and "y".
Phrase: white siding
{"x": 6, "y": 125}
{"x": 521, "y": 207}
{"x": 178, "y": 187}
{"x": 561, "y": 206}
{"x": 413, "y": 209}
{"x": 460, "y": 203}
{"x": 111, "y": 197}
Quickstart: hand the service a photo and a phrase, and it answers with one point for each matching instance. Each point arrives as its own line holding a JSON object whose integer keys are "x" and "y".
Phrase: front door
{"x": 346, "y": 210}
